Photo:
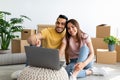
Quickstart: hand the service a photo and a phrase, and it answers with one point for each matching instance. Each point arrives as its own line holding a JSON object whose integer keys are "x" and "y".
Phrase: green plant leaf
{"x": 22, "y": 16}
{"x": 4, "y": 12}
{"x": 111, "y": 40}
{"x": 8, "y": 28}
{"x": 16, "y": 20}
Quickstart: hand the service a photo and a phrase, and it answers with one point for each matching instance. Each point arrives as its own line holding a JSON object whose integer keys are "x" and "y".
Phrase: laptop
{"x": 43, "y": 57}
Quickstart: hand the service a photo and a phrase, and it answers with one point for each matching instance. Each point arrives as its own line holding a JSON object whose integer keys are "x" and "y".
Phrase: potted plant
{"x": 111, "y": 41}
{"x": 8, "y": 28}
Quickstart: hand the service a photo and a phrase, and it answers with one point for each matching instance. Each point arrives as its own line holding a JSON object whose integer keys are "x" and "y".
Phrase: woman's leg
{"x": 83, "y": 55}
{"x": 86, "y": 70}
{"x": 70, "y": 67}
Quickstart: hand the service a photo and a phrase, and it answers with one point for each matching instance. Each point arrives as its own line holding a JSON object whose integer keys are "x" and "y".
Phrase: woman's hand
{"x": 79, "y": 66}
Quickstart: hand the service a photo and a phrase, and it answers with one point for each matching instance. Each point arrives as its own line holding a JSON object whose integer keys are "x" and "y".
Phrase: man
{"x": 52, "y": 37}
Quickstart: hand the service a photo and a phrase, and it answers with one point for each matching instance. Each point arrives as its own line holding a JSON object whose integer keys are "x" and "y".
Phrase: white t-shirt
{"x": 73, "y": 50}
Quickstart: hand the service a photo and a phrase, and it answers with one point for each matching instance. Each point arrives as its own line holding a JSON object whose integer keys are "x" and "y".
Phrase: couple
{"x": 71, "y": 41}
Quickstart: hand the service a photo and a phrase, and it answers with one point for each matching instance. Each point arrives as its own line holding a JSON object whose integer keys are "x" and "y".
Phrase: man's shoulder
{"x": 49, "y": 29}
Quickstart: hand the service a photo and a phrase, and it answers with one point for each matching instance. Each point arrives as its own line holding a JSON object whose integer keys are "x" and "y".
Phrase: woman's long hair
{"x": 78, "y": 36}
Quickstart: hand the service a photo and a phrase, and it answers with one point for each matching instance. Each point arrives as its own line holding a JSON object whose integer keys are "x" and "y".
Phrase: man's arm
{"x": 35, "y": 40}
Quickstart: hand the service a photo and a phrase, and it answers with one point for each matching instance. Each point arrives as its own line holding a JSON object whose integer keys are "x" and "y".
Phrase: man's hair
{"x": 63, "y": 16}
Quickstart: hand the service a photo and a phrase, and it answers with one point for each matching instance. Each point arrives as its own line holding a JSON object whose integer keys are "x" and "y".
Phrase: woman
{"x": 79, "y": 51}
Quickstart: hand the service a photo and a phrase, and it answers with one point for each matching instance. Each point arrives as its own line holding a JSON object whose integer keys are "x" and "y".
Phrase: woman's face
{"x": 72, "y": 29}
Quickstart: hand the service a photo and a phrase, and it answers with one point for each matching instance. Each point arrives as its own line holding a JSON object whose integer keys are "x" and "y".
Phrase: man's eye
{"x": 62, "y": 23}
{"x": 57, "y": 23}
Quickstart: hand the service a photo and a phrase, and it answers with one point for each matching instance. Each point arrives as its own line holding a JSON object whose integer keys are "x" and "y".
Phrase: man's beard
{"x": 59, "y": 30}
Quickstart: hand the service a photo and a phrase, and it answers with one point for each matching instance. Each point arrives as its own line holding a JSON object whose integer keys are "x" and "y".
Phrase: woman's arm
{"x": 91, "y": 54}
{"x": 62, "y": 49}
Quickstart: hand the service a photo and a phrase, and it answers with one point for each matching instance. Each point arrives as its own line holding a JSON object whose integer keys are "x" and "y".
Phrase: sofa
{"x": 9, "y": 58}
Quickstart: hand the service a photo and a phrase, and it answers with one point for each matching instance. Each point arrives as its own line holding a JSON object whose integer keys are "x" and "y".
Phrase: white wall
{"x": 89, "y": 13}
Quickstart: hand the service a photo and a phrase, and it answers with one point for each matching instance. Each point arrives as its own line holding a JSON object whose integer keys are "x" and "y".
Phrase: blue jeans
{"x": 83, "y": 55}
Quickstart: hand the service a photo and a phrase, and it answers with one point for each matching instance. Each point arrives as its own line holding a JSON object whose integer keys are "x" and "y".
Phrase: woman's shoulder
{"x": 84, "y": 35}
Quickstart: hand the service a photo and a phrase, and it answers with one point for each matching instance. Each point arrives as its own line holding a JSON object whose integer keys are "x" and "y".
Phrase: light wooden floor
{"x": 113, "y": 72}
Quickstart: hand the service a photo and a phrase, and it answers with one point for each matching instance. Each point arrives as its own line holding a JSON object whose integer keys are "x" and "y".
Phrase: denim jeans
{"x": 83, "y": 55}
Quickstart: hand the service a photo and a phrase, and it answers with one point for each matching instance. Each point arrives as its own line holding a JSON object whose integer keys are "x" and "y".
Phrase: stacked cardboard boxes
{"x": 26, "y": 33}
{"x": 118, "y": 52}
{"x": 43, "y": 26}
{"x": 106, "y": 57}
{"x": 102, "y": 53}
{"x": 17, "y": 45}
{"x": 102, "y": 31}
{"x": 98, "y": 43}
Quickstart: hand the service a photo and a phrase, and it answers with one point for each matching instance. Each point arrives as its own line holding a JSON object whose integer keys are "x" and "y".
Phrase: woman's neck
{"x": 75, "y": 38}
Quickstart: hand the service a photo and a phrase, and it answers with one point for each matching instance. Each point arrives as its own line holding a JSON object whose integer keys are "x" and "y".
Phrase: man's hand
{"x": 33, "y": 40}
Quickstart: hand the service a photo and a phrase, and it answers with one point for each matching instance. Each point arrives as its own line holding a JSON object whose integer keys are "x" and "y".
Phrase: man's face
{"x": 60, "y": 25}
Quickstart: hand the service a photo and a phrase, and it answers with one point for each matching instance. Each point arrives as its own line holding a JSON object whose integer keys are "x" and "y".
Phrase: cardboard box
{"x": 106, "y": 57}
{"x": 17, "y": 45}
{"x": 118, "y": 52}
{"x": 43, "y": 26}
{"x": 98, "y": 43}
{"x": 26, "y": 33}
{"x": 102, "y": 31}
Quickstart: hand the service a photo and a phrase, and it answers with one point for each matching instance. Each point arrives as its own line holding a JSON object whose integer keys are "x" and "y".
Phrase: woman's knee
{"x": 83, "y": 55}
{"x": 84, "y": 49}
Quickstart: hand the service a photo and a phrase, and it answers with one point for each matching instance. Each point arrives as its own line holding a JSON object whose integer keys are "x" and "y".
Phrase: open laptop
{"x": 43, "y": 57}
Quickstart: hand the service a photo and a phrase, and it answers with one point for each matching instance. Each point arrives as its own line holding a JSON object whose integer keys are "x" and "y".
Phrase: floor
{"x": 113, "y": 72}
{"x": 6, "y": 71}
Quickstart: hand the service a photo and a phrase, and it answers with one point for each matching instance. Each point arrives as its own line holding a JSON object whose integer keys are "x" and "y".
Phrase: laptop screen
{"x": 43, "y": 57}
